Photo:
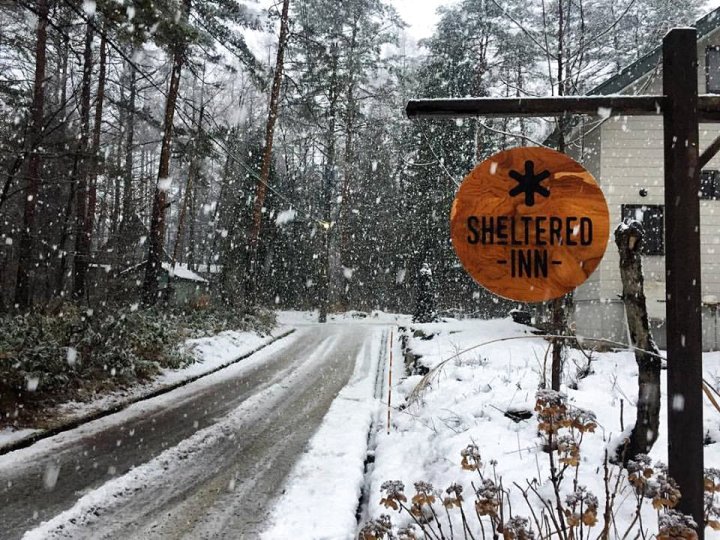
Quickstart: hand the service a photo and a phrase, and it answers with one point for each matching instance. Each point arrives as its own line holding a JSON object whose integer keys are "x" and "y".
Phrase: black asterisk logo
{"x": 529, "y": 183}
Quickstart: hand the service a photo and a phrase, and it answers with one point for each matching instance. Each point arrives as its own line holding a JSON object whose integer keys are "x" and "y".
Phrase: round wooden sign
{"x": 530, "y": 224}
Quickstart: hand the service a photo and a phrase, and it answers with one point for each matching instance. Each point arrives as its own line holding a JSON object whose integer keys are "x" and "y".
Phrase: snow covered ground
{"x": 210, "y": 353}
{"x": 321, "y": 495}
{"x": 497, "y": 368}
{"x": 298, "y": 318}
{"x": 466, "y": 405}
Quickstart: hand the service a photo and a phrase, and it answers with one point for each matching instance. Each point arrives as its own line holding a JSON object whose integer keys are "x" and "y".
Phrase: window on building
{"x": 712, "y": 69}
{"x": 710, "y": 185}
{"x": 652, "y": 218}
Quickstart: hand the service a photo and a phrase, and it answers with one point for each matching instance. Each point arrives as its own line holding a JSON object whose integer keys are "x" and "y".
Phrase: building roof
{"x": 179, "y": 271}
{"x": 647, "y": 63}
{"x": 642, "y": 66}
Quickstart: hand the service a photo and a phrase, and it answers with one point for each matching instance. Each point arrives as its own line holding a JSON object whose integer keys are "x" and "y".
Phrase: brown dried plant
{"x": 712, "y": 508}
{"x": 568, "y": 518}
{"x": 676, "y": 526}
{"x": 377, "y": 529}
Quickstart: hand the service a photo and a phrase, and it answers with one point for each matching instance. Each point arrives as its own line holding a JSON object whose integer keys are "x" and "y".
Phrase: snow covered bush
{"x": 212, "y": 319}
{"x": 425, "y": 310}
{"x": 131, "y": 345}
{"x": 69, "y": 354}
{"x": 46, "y": 357}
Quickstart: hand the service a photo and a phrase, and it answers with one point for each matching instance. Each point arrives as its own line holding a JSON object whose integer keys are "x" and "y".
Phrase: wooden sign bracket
{"x": 682, "y": 109}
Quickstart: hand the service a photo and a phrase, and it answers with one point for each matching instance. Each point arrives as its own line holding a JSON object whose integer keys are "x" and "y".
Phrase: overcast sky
{"x": 420, "y": 14}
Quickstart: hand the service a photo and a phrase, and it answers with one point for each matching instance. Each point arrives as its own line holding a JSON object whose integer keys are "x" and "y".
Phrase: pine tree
{"x": 23, "y": 291}
{"x": 425, "y": 311}
{"x": 337, "y": 48}
{"x": 215, "y": 19}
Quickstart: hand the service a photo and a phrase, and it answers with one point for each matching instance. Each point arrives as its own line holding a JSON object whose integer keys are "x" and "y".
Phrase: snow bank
{"x": 467, "y": 401}
{"x": 322, "y": 492}
{"x": 9, "y": 436}
{"x": 210, "y": 353}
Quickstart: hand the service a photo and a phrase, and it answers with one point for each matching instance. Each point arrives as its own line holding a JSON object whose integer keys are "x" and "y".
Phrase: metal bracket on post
{"x": 682, "y": 270}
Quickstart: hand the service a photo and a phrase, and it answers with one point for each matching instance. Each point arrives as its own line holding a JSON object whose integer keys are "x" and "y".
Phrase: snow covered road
{"x": 203, "y": 461}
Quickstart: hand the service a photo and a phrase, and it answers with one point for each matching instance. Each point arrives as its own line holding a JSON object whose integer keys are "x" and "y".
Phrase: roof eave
{"x": 642, "y": 66}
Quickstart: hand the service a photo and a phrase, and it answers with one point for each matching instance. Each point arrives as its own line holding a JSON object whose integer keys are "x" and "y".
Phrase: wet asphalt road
{"x": 260, "y": 418}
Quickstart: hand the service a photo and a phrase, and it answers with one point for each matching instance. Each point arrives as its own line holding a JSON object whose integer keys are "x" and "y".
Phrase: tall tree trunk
{"x": 157, "y": 220}
{"x": 328, "y": 183}
{"x": 559, "y": 306}
{"x": 519, "y": 93}
{"x": 226, "y": 205}
{"x": 89, "y": 225}
{"x": 261, "y": 188}
{"x": 127, "y": 200}
{"x": 183, "y": 211}
{"x": 64, "y": 232}
{"x": 349, "y": 161}
{"x": 32, "y": 189}
{"x": 629, "y": 238}
{"x": 64, "y": 76}
{"x": 117, "y": 200}
{"x": 81, "y": 194}
{"x": 191, "y": 232}
{"x": 192, "y": 172}
{"x": 224, "y": 188}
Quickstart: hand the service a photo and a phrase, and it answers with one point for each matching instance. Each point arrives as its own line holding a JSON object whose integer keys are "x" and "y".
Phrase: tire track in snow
{"x": 47, "y": 478}
{"x": 216, "y": 483}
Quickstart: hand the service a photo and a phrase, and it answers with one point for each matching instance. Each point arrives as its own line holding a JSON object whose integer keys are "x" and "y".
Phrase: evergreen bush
{"x": 66, "y": 353}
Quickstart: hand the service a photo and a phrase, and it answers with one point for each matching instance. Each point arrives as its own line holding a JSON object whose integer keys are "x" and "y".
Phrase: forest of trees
{"x": 265, "y": 147}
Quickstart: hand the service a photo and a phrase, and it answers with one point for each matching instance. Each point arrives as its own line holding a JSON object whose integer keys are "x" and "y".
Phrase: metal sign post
{"x": 682, "y": 109}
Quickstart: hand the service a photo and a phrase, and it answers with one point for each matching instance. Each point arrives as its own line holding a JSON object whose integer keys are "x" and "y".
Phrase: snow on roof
{"x": 181, "y": 271}
{"x": 615, "y": 84}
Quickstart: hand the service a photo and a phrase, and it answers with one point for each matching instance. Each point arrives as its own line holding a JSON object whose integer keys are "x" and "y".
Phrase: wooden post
{"x": 390, "y": 382}
{"x": 682, "y": 268}
{"x": 682, "y": 110}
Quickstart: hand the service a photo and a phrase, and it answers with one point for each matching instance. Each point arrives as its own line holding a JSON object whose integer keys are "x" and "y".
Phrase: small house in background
{"x": 178, "y": 284}
{"x": 187, "y": 287}
{"x": 625, "y": 154}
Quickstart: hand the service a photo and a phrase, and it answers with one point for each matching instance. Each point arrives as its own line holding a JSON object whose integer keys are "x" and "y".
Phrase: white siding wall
{"x": 631, "y": 158}
{"x": 590, "y": 159}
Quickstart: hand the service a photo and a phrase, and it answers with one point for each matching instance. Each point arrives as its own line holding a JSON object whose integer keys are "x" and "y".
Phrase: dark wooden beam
{"x": 546, "y": 106}
{"x": 682, "y": 271}
{"x": 708, "y": 106}
{"x": 709, "y": 153}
